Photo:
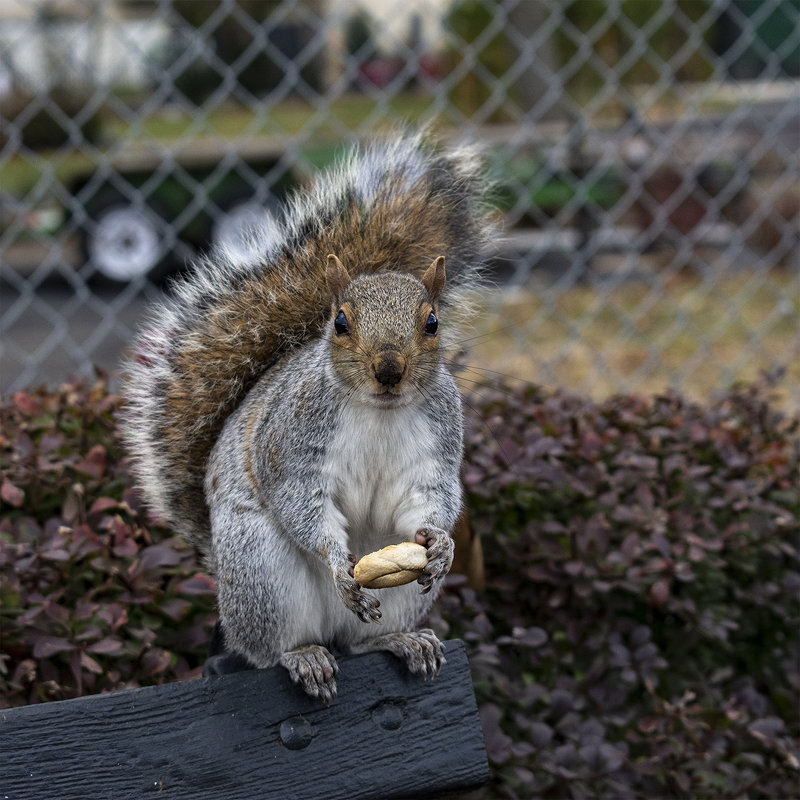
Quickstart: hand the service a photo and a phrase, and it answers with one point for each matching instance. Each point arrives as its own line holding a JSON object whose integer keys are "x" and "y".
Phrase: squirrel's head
{"x": 384, "y": 332}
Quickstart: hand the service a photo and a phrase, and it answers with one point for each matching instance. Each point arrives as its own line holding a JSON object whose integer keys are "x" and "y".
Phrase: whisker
{"x": 425, "y": 393}
{"x": 475, "y": 387}
{"x": 503, "y": 329}
{"x": 473, "y": 368}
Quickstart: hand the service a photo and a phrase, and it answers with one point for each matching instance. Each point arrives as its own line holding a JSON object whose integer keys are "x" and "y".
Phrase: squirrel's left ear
{"x": 433, "y": 279}
{"x": 337, "y": 278}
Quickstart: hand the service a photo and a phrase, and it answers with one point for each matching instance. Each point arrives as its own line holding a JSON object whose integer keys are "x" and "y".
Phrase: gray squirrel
{"x": 292, "y": 411}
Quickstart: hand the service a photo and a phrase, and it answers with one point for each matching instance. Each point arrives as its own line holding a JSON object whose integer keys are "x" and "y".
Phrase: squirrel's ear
{"x": 433, "y": 279}
{"x": 337, "y": 277}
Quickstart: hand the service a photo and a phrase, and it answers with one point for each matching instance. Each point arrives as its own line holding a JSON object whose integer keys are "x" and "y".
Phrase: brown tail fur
{"x": 395, "y": 207}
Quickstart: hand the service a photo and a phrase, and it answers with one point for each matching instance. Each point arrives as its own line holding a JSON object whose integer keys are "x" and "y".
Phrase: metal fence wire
{"x": 645, "y": 155}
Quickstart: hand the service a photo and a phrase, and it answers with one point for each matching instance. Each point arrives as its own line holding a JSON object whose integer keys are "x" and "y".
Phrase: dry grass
{"x": 699, "y": 335}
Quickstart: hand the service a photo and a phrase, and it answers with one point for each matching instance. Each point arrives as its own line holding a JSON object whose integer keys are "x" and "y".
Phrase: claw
{"x": 421, "y": 650}
{"x": 364, "y": 606}
{"x": 314, "y": 669}
{"x": 440, "y": 556}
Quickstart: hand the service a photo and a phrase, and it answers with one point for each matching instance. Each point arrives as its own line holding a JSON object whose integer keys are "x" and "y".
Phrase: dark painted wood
{"x": 252, "y": 735}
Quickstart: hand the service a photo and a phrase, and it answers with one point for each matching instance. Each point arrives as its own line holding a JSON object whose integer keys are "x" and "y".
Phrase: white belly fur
{"x": 376, "y": 461}
{"x": 374, "y": 464}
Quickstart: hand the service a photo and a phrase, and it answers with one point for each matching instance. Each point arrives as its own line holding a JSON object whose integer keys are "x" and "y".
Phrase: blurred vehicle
{"x": 150, "y": 209}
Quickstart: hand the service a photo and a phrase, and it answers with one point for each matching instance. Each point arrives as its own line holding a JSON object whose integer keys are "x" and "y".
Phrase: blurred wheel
{"x": 234, "y": 227}
{"x": 124, "y": 241}
{"x": 243, "y": 221}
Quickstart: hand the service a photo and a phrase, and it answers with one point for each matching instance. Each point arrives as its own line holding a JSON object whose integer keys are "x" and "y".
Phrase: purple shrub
{"x": 639, "y": 633}
{"x": 637, "y": 637}
{"x": 94, "y": 595}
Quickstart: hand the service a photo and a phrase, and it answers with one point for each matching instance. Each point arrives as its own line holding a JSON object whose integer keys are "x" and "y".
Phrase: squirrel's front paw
{"x": 440, "y": 555}
{"x": 364, "y": 606}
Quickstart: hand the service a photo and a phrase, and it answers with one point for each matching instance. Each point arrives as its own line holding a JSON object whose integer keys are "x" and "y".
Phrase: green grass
{"x": 287, "y": 118}
{"x": 35, "y": 172}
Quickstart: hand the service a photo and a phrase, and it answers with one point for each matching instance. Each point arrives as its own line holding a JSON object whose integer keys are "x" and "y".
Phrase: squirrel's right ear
{"x": 434, "y": 278}
{"x": 337, "y": 277}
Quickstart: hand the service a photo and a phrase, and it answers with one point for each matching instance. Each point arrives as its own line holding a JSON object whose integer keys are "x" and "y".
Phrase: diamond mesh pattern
{"x": 645, "y": 157}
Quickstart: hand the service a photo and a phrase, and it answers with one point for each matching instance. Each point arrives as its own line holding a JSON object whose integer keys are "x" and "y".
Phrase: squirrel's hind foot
{"x": 421, "y": 650}
{"x": 314, "y": 669}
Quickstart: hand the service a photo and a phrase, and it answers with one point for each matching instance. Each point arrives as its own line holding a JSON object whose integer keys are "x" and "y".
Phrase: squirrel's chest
{"x": 376, "y": 461}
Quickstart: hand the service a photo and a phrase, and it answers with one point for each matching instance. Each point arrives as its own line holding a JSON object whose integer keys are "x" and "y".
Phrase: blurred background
{"x": 645, "y": 157}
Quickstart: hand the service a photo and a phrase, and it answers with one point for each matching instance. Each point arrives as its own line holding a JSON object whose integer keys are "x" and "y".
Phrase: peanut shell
{"x": 394, "y": 565}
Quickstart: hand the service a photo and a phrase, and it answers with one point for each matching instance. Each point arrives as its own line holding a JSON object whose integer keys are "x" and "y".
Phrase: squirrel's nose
{"x": 389, "y": 368}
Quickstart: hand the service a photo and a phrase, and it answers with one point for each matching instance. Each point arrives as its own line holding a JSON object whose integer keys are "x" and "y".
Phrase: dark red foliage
{"x": 93, "y": 595}
{"x": 639, "y": 635}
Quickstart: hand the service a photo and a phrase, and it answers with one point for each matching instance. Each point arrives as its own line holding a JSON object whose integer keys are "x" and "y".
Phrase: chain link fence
{"x": 645, "y": 156}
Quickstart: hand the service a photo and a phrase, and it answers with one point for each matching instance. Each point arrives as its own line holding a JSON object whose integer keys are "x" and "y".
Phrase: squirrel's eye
{"x": 340, "y": 324}
{"x": 431, "y": 324}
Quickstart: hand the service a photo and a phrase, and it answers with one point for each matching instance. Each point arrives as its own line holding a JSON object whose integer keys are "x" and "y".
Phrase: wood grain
{"x": 253, "y": 735}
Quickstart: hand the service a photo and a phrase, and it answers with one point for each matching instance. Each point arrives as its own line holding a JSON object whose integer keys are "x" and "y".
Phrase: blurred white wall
{"x": 75, "y": 43}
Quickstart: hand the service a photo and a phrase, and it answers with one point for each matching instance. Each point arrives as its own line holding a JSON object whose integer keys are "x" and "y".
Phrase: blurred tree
{"x": 230, "y": 36}
{"x": 475, "y": 93}
{"x": 526, "y": 18}
{"x": 612, "y": 33}
{"x": 360, "y": 45}
{"x": 359, "y": 37}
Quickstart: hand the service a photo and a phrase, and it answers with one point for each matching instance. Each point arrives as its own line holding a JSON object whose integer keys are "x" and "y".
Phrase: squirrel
{"x": 291, "y": 411}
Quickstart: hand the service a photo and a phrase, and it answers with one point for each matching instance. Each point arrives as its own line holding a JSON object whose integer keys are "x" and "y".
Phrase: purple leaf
{"x": 196, "y": 585}
{"x": 12, "y": 495}
{"x": 105, "y": 646}
{"x": 46, "y": 646}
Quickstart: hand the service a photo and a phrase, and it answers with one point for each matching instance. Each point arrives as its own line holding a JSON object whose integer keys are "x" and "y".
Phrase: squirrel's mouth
{"x": 387, "y": 398}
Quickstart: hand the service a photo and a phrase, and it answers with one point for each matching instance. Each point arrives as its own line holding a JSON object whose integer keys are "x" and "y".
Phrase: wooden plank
{"x": 252, "y": 735}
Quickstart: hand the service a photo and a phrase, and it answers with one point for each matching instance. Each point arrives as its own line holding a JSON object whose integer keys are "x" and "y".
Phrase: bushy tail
{"x": 395, "y": 205}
